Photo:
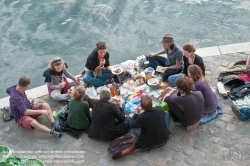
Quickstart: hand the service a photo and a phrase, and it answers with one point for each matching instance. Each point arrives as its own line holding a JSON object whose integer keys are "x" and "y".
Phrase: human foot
{"x": 192, "y": 127}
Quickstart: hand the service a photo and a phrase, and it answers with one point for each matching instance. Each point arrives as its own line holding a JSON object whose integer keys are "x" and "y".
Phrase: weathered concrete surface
{"x": 224, "y": 141}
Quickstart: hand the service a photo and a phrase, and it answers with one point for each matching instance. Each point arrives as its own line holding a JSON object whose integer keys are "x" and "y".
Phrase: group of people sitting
{"x": 194, "y": 97}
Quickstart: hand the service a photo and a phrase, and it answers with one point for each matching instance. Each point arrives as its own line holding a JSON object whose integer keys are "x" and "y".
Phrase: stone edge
{"x": 203, "y": 52}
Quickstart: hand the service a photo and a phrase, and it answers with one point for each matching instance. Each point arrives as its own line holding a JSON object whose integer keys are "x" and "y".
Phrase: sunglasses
{"x": 58, "y": 60}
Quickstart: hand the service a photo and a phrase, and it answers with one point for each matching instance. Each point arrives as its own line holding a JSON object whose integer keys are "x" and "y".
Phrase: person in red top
{"x": 25, "y": 113}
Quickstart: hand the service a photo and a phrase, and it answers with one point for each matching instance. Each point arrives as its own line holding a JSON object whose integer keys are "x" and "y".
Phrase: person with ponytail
{"x": 202, "y": 84}
{"x": 189, "y": 58}
{"x": 79, "y": 114}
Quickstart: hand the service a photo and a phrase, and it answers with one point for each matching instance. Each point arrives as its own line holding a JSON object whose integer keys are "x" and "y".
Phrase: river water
{"x": 35, "y": 31}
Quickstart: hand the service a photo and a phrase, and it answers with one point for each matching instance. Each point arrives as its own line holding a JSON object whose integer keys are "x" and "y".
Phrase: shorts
{"x": 25, "y": 121}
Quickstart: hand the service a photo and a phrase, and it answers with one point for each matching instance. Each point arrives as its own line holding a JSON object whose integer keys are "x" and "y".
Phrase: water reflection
{"x": 33, "y": 32}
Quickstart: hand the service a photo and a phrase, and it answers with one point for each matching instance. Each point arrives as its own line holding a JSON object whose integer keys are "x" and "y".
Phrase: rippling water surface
{"x": 33, "y": 32}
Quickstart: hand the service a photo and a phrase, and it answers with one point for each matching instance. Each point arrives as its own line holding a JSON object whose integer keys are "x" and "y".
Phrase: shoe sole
{"x": 236, "y": 112}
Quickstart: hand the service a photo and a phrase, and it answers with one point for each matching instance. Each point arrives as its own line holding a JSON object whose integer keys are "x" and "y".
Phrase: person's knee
{"x": 45, "y": 106}
{"x": 34, "y": 123}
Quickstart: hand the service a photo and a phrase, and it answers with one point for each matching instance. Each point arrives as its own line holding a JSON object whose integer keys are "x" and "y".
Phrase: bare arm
{"x": 156, "y": 53}
{"x": 176, "y": 66}
{"x": 34, "y": 112}
{"x": 109, "y": 68}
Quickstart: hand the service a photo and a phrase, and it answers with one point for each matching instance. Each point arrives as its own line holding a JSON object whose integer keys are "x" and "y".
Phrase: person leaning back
{"x": 25, "y": 113}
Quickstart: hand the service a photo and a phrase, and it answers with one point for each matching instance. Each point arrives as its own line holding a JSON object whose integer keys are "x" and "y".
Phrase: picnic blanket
{"x": 209, "y": 117}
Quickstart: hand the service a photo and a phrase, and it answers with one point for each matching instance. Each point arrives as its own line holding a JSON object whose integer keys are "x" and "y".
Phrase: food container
{"x": 141, "y": 59}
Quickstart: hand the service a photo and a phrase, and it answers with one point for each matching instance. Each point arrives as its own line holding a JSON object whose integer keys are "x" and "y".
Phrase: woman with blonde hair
{"x": 189, "y": 58}
{"x": 202, "y": 84}
{"x": 56, "y": 78}
{"x": 79, "y": 114}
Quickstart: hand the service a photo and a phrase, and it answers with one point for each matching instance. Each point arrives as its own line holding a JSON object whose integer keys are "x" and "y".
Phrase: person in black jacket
{"x": 97, "y": 68}
{"x": 189, "y": 58}
{"x": 108, "y": 119}
{"x": 153, "y": 131}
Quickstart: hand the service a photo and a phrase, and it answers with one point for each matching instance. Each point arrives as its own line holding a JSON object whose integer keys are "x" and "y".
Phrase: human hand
{"x": 164, "y": 68}
{"x": 151, "y": 54}
{"x": 102, "y": 61}
{"x": 61, "y": 85}
{"x": 138, "y": 109}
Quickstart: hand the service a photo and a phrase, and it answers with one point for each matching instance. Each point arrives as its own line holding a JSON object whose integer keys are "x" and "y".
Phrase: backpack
{"x": 121, "y": 146}
{"x": 120, "y": 78}
{"x": 7, "y": 114}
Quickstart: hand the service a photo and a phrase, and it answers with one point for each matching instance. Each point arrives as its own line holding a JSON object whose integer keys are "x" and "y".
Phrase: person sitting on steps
{"x": 56, "y": 78}
{"x": 25, "y": 113}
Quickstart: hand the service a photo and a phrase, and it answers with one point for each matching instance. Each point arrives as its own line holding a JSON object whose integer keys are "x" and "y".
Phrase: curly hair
{"x": 79, "y": 93}
{"x": 185, "y": 84}
{"x": 195, "y": 73}
{"x": 55, "y": 62}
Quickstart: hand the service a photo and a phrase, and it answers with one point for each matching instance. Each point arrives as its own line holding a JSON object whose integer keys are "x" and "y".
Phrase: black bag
{"x": 121, "y": 146}
{"x": 232, "y": 80}
{"x": 240, "y": 91}
{"x": 120, "y": 78}
{"x": 65, "y": 111}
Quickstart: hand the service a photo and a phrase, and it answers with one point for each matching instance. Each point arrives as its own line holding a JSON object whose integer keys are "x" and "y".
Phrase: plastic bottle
{"x": 117, "y": 90}
{"x": 113, "y": 89}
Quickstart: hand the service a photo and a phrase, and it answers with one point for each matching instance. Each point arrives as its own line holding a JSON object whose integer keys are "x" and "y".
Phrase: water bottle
{"x": 117, "y": 90}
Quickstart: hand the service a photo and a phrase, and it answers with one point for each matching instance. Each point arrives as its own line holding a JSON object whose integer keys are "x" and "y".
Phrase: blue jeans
{"x": 137, "y": 131}
{"x": 160, "y": 61}
{"x": 172, "y": 78}
{"x": 99, "y": 80}
{"x": 57, "y": 95}
{"x": 157, "y": 61}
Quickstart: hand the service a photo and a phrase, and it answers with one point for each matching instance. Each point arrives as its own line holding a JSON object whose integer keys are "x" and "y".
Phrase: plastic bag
{"x": 91, "y": 92}
{"x": 132, "y": 104}
{"x": 150, "y": 70}
{"x": 128, "y": 65}
{"x": 163, "y": 105}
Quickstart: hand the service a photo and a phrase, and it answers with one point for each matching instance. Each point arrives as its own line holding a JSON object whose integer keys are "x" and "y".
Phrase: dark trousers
{"x": 177, "y": 114}
{"x": 160, "y": 61}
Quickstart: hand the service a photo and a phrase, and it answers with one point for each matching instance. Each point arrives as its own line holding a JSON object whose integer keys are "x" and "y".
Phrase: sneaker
{"x": 57, "y": 128}
{"x": 55, "y": 133}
